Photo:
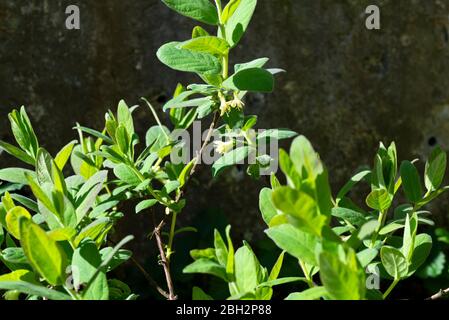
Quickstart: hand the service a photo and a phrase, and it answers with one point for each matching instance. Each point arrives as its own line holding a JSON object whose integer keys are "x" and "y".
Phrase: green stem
{"x": 381, "y": 220}
{"x": 223, "y": 35}
{"x": 392, "y": 286}
{"x": 171, "y": 236}
{"x": 225, "y": 66}
{"x": 159, "y": 123}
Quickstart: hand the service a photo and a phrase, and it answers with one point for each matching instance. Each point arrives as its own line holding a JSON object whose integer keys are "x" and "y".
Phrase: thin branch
{"x": 157, "y": 230}
{"x": 147, "y": 276}
{"x": 205, "y": 143}
{"x": 164, "y": 262}
{"x": 439, "y": 295}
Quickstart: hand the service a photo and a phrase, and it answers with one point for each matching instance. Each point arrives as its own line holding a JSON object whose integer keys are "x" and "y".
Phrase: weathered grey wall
{"x": 346, "y": 88}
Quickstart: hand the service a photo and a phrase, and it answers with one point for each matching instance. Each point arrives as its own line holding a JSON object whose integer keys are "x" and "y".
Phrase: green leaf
{"x": 351, "y": 183}
{"x": 173, "y": 104}
{"x": 229, "y": 10}
{"x": 367, "y": 256}
{"x": 89, "y": 192}
{"x": 199, "y": 294}
{"x": 286, "y": 164}
{"x": 58, "y": 179}
{"x": 379, "y": 199}
{"x": 199, "y": 32}
{"x": 422, "y": 247}
{"x": 12, "y": 220}
{"x": 17, "y": 275}
{"x": 258, "y": 63}
{"x": 27, "y": 202}
{"x": 185, "y": 173}
{"x": 43, "y": 253}
{"x": 119, "y": 290}
{"x": 205, "y": 109}
{"x": 277, "y": 134}
{"x": 389, "y": 228}
{"x": 124, "y": 117}
{"x": 305, "y": 159}
{"x": 233, "y": 157}
{"x": 239, "y": 21}
{"x": 353, "y": 217}
{"x": 15, "y": 175}
{"x": 40, "y": 194}
{"x": 343, "y": 280}
{"x": 277, "y": 282}
{"x": 221, "y": 251}
{"x": 62, "y": 234}
{"x": 301, "y": 206}
{"x": 85, "y": 261}
{"x": 170, "y": 186}
{"x": 277, "y": 267}
{"x": 97, "y": 134}
{"x": 190, "y": 116}
{"x": 106, "y": 260}
{"x": 32, "y": 289}
{"x": 122, "y": 138}
{"x": 394, "y": 262}
{"x": 208, "y": 267}
{"x": 411, "y": 227}
{"x": 201, "y": 10}
{"x": 126, "y": 174}
{"x": 247, "y": 270}
{"x": 252, "y": 80}
{"x": 16, "y": 152}
{"x": 208, "y": 253}
{"x": 231, "y": 261}
{"x": 94, "y": 230}
{"x": 297, "y": 243}
{"x": 188, "y": 61}
{"x": 314, "y": 293}
{"x": 23, "y": 131}
{"x": 266, "y": 205}
{"x": 119, "y": 257}
{"x": 14, "y": 255}
{"x": 44, "y": 166}
{"x": 64, "y": 155}
{"x": 208, "y": 44}
{"x": 143, "y": 205}
{"x": 411, "y": 182}
{"x": 435, "y": 169}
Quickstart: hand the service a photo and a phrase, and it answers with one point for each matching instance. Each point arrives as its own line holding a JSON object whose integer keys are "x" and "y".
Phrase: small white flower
{"x": 236, "y": 102}
{"x": 226, "y": 106}
{"x": 223, "y": 147}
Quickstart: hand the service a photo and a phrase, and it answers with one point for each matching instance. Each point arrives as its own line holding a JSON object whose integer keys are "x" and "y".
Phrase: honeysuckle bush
{"x": 342, "y": 249}
{"x": 58, "y": 214}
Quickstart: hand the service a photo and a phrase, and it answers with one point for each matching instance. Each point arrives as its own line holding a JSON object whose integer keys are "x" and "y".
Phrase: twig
{"x": 164, "y": 262}
{"x": 205, "y": 143}
{"x": 157, "y": 230}
{"x": 439, "y": 295}
{"x": 147, "y": 276}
